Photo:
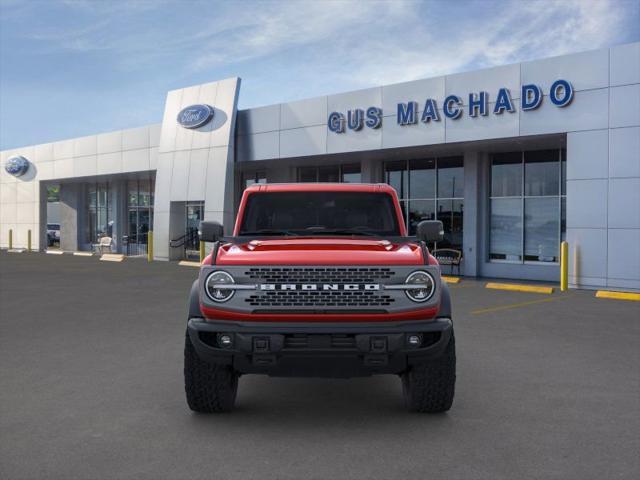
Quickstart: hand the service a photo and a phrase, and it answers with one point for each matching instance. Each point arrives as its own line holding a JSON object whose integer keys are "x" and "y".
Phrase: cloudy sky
{"x": 76, "y": 67}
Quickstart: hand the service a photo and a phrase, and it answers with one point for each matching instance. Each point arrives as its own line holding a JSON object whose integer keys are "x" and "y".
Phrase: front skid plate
{"x": 261, "y": 348}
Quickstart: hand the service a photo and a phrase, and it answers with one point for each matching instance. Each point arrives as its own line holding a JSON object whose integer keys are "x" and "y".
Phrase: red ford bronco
{"x": 320, "y": 280}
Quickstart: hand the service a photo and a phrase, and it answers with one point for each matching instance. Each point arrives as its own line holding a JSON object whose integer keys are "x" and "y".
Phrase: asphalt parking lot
{"x": 91, "y": 387}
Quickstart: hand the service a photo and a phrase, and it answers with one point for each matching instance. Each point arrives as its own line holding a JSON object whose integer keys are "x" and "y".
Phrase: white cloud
{"x": 533, "y": 30}
{"x": 279, "y": 26}
{"x": 384, "y": 41}
{"x": 372, "y": 43}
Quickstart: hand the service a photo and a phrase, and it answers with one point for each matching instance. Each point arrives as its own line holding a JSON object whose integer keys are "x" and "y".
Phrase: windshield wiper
{"x": 269, "y": 231}
{"x": 345, "y": 231}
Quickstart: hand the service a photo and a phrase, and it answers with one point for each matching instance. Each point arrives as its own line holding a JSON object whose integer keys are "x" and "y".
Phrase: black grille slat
{"x": 319, "y": 275}
{"x": 336, "y": 341}
{"x": 335, "y": 298}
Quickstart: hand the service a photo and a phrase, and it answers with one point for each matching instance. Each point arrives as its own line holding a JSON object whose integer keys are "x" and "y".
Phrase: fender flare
{"x": 445, "y": 302}
{"x": 194, "y": 301}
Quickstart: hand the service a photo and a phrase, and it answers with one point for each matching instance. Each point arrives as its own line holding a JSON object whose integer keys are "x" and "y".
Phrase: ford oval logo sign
{"x": 17, "y": 166}
{"x": 195, "y": 116}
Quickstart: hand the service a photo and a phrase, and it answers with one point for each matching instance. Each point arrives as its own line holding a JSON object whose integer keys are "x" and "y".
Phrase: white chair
{"x": 104, "y": 243}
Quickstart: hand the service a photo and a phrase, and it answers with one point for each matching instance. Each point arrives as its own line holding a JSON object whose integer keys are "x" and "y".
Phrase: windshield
{"x": 320, "y": 213}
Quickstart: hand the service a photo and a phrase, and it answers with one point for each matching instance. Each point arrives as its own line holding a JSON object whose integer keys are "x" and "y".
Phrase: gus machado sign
{"x": 560, "y": 95}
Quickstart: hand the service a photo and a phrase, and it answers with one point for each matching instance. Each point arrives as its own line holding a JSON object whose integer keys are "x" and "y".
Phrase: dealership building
{"x": 512, "y": 159}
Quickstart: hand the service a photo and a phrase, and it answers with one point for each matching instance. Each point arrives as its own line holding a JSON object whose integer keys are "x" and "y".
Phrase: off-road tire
{"x": 429, "y": 387}
{"x": 210, "y": 388}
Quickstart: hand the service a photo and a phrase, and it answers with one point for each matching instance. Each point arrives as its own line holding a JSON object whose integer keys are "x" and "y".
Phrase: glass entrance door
{"x": 140, "y": 215}
{"x": 100, "y": 216}
{"x": 194, "y": 214}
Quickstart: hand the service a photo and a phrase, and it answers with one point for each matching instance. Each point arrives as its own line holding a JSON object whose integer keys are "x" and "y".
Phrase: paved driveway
{"x": 91, "y": 387}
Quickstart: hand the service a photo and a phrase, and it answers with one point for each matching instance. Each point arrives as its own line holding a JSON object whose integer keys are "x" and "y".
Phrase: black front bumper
{"x": 338, "y": 350}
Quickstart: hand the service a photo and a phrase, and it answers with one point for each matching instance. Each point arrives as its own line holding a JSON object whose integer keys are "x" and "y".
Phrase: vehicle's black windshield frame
{"x": 319, "y": 213}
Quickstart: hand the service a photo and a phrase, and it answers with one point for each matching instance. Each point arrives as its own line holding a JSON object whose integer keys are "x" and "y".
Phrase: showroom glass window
{"x": 527, "y": 206}
{"x": 100, "y": 212}
{"x": 431, "y": 189}
{"x": 139, "y": 214}
{"x": 330, "y": 173}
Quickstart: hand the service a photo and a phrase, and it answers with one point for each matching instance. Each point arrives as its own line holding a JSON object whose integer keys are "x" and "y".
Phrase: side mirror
{"x": 210, "y": 231}
{"x": 430, "y": 231}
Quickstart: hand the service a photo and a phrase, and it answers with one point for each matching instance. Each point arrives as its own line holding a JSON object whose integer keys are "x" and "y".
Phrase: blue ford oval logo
{"x": 195, "y": 116}
{"x": 16, "y": 166}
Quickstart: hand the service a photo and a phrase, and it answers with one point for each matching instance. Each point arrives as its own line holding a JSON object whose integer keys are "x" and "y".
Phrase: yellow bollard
{"x": 201, "y": 251}
{"x": 10, "y": 239}
{"x": 150, "y": 246}
{"x": 29, "y": 240}
{"x": 564, "y": 266}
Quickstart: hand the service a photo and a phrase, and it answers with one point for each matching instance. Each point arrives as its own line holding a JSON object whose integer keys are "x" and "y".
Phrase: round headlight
{"x": 425, "y": 286}
{"x": 213, "y": 286}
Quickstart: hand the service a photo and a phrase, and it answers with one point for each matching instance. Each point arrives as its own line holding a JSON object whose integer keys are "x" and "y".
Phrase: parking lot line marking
{"x": 514, "y": 287}
{"x": 451, "y": 279}
{"x": 54, "y": 252}
{"x": 186, "y": 263}
{"x": 83, "y": 254}
{"x": 618, "y": 295}
{"x": 516, "y": 305}
{"x": 112, "y": 257}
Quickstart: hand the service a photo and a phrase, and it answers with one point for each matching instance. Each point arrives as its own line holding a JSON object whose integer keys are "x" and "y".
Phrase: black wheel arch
{"x": 194, "y": 301}
{"x": 445, "y": 302}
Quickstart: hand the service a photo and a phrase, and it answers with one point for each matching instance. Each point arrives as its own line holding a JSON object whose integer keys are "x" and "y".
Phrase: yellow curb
{"x": 618, "y": 295}
{"x": 112, "y": 257}
{"x": 451, "y": 279}
{"x": 83, "y": 254}
{"x": 186, "y": 263}
{"x": 54, "y": 252}
{"x": 514, "y": 287}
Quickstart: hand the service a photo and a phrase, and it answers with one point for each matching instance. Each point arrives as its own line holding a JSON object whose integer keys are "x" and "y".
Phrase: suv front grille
{"x": 319, "y": 274}
{"x": 319, "y": 298}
